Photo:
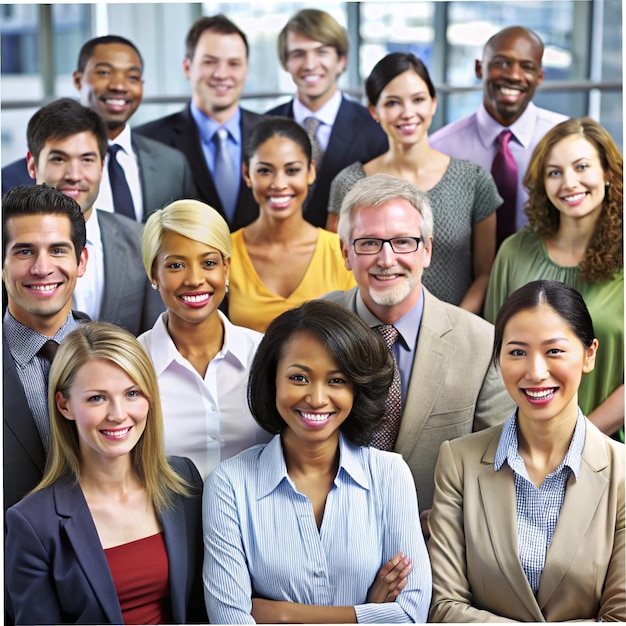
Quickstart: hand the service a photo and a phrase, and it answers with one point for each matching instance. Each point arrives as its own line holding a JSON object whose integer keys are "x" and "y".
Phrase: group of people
{"x": 217, "y": 408}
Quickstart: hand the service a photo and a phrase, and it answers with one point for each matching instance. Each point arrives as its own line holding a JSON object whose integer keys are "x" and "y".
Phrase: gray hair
{"x": 376, "y": 190}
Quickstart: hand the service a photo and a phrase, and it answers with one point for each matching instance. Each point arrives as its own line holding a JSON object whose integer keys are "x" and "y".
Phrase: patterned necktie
{"x": 311, "y": 124}
{"x": 48, "y": 350}
{"x": 122, "y": 200}
{"x": 224, "y": 174}
{"x": 385, "y": 437}
{"x": 504, "y": 172}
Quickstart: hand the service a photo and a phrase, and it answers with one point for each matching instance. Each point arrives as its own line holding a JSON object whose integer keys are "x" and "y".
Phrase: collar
{"x": 522, "y": 128}
{"x": 407, "y": 326}
{"x": 508, "y": 446}
{"x": 93, "y": 230}
{"x": 164, "y": 352}
{"x": 24, "y": 342}
{"x": 272, "y": 470}
{"x": 124, "y": 139}
{"x": 327, "y": 114}
{"x": 207, "y": 125}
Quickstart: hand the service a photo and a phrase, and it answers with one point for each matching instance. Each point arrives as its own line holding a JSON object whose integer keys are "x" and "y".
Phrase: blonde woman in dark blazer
{"x": 527, "y": 522}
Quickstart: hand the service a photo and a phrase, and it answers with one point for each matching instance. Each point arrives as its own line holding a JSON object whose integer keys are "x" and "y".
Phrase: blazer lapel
{"x": 115, "y": 260}
{"x": 176, "y": 542}
{"x": 432, "y": 355}
{"x": 83, "y": 537}
{"x": 497, "y": 490}
{"x": 574, "y": 520}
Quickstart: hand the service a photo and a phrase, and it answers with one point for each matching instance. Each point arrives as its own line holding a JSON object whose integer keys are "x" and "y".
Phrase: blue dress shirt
{"x": 261, "y": 538}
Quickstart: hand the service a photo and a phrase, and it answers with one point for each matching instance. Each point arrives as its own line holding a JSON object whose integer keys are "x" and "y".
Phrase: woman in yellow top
{"x": 280, "y": 260}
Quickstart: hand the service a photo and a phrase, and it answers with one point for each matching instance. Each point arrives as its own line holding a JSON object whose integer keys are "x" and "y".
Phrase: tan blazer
{"x": 454, "y": 388}
{"x": 477, "y": 574}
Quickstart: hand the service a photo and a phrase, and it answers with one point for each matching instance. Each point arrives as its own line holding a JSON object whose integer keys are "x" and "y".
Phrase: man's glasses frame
{"x": 373, "y": 245}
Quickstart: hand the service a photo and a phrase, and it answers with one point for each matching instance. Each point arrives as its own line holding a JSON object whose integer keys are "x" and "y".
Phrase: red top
{"x": 140, "y": 571}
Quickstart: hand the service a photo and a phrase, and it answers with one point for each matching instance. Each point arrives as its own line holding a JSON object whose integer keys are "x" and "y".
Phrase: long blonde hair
{"x": 101, "y": 340}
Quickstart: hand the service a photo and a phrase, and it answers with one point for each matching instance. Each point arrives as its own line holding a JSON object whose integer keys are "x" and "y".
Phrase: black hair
{"x": 61, "y": 119}
{"x": 273, "y": 127}
{"x": 217, "y": 24}
{"x": 360, "y": 354}
{"x": 393, "y": 65}
{"x": 563, "y": 299}
{"x": 43, "y": 200}
{"x": 87, "y": 49}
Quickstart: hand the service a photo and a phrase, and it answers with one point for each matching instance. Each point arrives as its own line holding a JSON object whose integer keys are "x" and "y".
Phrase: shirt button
{"x": 318, "y": 573}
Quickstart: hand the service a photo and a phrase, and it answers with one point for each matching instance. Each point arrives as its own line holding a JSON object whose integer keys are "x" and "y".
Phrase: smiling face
{"x": 72, "y": 165}
{"x": 574, "y": 179}
{"x": 279, "y": 176}
{"x": 511, "y": 72}
{"x": 111, "y": 84}
{"x": 389, "y": 283}
{"x": 542, "y": 362}
{"x": 40, "y": 270}
{"x": 191, "y": 277}
{"x": 312, "y": 395}
{"x": 109, "y": 410}
{"x": 315, "y": 69}
{"x": 217, "y": 73}
{"x": 405, "y": 109}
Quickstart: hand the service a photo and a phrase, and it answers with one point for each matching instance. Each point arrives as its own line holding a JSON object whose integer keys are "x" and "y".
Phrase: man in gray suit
{"x": 66, "y": 147}
{"x": 109, "y": 78}
{"x": 449, "y": 385}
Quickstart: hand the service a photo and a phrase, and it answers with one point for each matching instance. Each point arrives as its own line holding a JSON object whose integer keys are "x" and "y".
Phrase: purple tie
{"x": 122, "y": 199}
{"x": 504, "y": 172}
{"x": 385, "y": 437}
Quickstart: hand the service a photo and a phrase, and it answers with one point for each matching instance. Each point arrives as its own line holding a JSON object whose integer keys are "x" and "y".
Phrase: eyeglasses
{"x": 373, "y": 245}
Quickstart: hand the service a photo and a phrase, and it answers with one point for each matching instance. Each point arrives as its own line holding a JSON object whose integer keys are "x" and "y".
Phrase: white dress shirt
{"x": 89, "y": 289}
{"x": 128, "y": 160}
{"x": 206, "y": 419}
{"x": 326, "y": 115}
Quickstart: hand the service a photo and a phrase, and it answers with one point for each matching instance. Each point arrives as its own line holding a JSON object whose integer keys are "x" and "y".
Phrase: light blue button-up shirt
{"x": 261, "y": 538}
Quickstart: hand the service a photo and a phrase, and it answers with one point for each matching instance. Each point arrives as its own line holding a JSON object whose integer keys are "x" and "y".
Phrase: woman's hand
{"x": 391, "y": 579}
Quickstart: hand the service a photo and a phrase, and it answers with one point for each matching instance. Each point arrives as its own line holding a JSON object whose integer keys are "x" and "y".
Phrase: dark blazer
{"x": 454, "y": 388}
{"x": 180, "y": 131}
{"x": 164, "y": 174}
{"x": 355, "y": 136}
{"x": 56, "y": 569}
{"x": 128, "y": 299}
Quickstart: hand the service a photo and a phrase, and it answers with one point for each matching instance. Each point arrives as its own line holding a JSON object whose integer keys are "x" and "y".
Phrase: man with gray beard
{"x": 449, "y": 385}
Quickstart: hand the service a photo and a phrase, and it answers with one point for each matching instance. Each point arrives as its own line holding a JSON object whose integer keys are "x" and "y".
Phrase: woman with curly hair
{"x": 575, "y": 235}
{"x": 316, "y": 526}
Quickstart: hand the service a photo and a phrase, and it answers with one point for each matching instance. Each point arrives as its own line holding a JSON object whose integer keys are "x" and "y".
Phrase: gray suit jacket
{"x": 477, "y": 573}
{"x": 454, "y": 387}
{"x": 128, "y": 299}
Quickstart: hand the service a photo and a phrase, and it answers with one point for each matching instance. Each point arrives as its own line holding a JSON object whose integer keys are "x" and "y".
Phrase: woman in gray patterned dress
{"x": 464, "y": 198}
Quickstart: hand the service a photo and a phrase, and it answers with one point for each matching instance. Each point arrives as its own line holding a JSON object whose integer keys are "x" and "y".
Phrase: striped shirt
{"x": 538, "y": 508}
{"x": 33, "y": 370}
{"x": 261, "y": 538}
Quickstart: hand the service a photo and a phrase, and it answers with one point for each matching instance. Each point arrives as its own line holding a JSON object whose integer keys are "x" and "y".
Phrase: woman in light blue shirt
{"x": 316, "y": 526}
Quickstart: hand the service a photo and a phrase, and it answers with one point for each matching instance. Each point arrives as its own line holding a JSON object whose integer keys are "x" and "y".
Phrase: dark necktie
{"x": 385, "y": 437}
{"x": 122, "y": 200}
{"x": 504, "y": 172}
{"x": 311, "y": 124}
{"x": 224, "y": 175}
{"x": 48, "y": 350}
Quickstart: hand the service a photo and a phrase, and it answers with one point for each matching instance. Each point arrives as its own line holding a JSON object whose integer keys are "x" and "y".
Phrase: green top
{"x": 523, "y": 257}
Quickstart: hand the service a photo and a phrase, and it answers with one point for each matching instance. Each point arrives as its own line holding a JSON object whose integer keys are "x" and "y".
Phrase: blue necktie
{"x": 224, "y": 175}
{"x": 122, "y": 200}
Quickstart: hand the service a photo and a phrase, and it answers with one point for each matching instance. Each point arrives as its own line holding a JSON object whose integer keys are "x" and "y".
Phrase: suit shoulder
{"x": 475, "y": 443}
{"x": 185, "y": 468}
{"x": 339, "y": 297}
{"x": 253, "y": 117}
{"x": 147, "y": 144}
{"x": 462, "y": 320}
{"x": 107, "y": 219}
{"x": 157, "y": 126}
{"x": 281, "y": 109}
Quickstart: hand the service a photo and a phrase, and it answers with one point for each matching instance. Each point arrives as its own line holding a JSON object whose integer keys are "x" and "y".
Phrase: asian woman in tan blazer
{"x": 544, "y": 541}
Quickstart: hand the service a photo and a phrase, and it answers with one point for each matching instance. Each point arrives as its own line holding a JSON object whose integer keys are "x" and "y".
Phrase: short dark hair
{"x": 360, "y": 354}
{"x": 393, "y": 65}
{"x": 218, "y": 24}
{"x": 87, "y": 49}
{"x": 61, "y": 119}
{"x": 43, "y": 200}
{"x": 566, "y": 302}
{"x": 277, "y": 127}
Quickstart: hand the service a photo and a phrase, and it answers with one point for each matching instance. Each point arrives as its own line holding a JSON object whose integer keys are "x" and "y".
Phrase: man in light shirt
{"x": 66, "y": 148}
{"x": 313, "y": 48}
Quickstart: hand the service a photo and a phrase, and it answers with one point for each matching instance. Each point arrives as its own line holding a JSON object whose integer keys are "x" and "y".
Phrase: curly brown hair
{"x": 604, "y": 255}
